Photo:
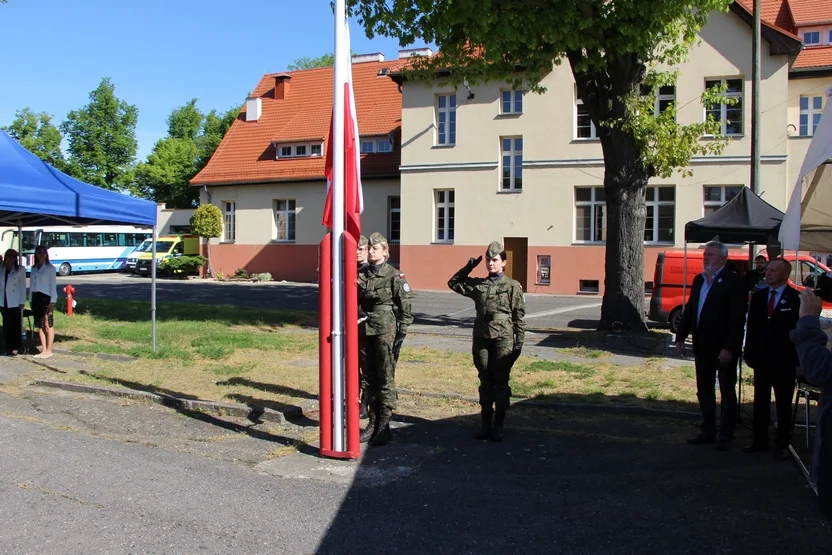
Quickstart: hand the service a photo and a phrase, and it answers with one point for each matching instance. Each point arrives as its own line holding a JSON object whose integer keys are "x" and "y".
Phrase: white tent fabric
{"x": 807, "y": 224}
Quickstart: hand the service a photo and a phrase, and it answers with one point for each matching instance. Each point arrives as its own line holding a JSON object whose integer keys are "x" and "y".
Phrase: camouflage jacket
{"x": 380, "y": 289}
{"x": 500, "y": 304}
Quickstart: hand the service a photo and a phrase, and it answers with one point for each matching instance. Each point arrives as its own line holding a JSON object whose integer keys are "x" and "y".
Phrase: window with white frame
{"x": 376, "y": 144}
{"x": 446, "y": 119}
{"x": 284, "y": 219}
{"x": 590, "y": 215}
{"x": 512, "y": 163}
{"x": 445, "y": 216}
{"x": 302, "y": 150}
{"x": 229, "y": 231}
{"x": 717, "y": 195}
{"x": 661, "y": 214}
{"x": 394, "y": 219}
{"x": 584, "y": 127}
{"x": 665, "y": 96}
{"x": 729, "y": 117}
{"x": 811, "y": 38}
{"x": 811, "y": 108}
{"x": 512, "y": 102}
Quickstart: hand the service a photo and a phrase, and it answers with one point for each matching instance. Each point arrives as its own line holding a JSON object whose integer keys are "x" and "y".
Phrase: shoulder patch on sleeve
{"x": 406, "y": 287}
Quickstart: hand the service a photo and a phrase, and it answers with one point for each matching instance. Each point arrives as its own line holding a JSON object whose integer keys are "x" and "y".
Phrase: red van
{"x": 666, "y": 303}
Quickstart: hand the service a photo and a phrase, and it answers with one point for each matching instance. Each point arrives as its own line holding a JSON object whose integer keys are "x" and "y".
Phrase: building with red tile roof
{"x": 267, "y": 175}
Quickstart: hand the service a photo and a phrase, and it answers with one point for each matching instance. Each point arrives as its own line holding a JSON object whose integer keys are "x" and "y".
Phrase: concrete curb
{"x": 239, "y": 411}
{"x": 102, "y": 356}
{"x": 535, "y": 403}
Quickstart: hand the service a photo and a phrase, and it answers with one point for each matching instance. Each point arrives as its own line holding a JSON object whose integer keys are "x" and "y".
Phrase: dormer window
{"x": 301, "y": 150}
{"x": 811, "y": 38}
{"x": 370, "y": 145}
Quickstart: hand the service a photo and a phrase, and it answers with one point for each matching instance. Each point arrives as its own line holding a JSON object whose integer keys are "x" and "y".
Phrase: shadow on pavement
{"x": 271, "y": 388}
{"x": 569, "y": 482}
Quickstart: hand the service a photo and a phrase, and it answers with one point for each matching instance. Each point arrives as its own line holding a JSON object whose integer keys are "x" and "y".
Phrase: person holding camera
{"x": 816, "y": 368}
{"x": 381, "y": 288}
{"x": 499, "y": 332}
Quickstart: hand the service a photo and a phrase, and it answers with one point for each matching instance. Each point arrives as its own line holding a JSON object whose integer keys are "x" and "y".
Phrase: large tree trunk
{"x": 604, "y": 93}
{"x": 623, "y": 303}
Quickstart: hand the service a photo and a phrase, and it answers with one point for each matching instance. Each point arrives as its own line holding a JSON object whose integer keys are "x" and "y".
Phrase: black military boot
{"x": 485, "y": 430}
{"x": 497, "y": 429}
{"x": 372, "y": 426}
{"x": 384, "y": 433}
{"x": 362, "y": 405}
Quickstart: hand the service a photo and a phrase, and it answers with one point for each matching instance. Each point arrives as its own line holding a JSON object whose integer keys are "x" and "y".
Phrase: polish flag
{"x": 353, "y": 195}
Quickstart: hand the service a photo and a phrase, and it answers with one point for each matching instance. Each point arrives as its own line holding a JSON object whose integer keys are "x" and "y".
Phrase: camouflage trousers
{"x": 493, "y": 360}
{"x": 378, "y": 368}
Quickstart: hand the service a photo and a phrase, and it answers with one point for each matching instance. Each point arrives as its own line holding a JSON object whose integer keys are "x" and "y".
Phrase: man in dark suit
{"x": 715, "y": 315}
{"x": 772, "y": 316}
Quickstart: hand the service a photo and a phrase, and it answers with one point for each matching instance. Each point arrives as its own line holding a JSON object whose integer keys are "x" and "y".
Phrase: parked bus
{"x": 82, "y": 249}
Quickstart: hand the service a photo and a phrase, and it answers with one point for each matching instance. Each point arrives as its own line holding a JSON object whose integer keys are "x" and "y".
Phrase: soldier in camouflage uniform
{"x": 499, "y": 332}
{"x": 361, "y": 259}
{"x": 381, "y": 288}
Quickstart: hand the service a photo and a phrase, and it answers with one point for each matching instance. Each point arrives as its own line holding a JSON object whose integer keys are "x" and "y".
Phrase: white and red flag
{"x": 353, "y": 195}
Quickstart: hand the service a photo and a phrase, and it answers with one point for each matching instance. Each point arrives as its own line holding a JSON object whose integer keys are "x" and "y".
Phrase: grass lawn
{"x": 270, "y": 357}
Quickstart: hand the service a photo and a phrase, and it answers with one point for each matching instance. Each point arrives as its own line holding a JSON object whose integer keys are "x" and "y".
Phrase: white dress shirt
{"x": 43, "y": 281}
{"x": 13, "y": 289}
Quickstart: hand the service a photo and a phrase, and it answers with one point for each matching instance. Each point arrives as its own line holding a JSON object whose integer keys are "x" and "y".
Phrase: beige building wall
{"x": 256, "y": 248}
{"x": 168, "y": 218}
{"x": 555, "y": 161}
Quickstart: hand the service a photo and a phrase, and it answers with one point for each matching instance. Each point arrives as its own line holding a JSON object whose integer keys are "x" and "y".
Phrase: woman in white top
{"x": 13, "y": 287}
{"x": 43, "y": 292}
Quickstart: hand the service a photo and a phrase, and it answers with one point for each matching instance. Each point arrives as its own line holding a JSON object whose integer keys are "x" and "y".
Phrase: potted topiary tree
{"x": 207, "y": 224}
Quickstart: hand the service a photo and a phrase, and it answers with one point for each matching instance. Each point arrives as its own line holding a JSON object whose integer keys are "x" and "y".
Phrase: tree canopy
{"x": 616, "y": 51}
{"x": 102, "y": 139}
{"x": 37, "y": 134}
{"x": 192, "y": 139}
{"x": 308, "y": 63}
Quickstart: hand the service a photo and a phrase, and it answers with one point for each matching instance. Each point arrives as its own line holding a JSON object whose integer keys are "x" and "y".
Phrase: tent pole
{"x": 19, "y": 257}
{"x": 153, "y": 292}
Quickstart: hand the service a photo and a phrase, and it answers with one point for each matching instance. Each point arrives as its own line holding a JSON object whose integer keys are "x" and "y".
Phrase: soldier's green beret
{"x": 376, "y": 238}
{"x": 495, "y": 248}
{"x": 362, "y": 241}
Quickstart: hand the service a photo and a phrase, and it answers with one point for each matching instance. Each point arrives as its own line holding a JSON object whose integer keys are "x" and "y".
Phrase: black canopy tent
{"x": 745, "y": 219}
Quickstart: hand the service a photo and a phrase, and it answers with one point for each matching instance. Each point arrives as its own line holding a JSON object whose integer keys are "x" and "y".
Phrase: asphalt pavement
{"x": 81, "y": 474}
{"x": 429, "y": 307}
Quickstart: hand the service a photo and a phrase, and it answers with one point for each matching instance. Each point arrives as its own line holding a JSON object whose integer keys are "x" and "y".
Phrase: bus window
{"x": 110, "y": 240}
{"x": 93, "y": 239}
{"x": 76, "y": 239}
{"x": 57, "y": 239}
{"x": 29, "y": 238}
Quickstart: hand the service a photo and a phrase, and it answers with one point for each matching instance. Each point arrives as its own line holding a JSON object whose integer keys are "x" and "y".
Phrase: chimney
{"x": 411, "y": 52}
{"x": 281, "y": 86}
{"x": 254, "y": 108}
{"x": 374, "y": 57}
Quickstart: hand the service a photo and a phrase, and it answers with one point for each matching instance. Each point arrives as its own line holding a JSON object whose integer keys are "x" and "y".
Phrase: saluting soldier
{"x": 381, "y": 288}
{"x": 499, "y": 332}
{"x": 361, "y": 259}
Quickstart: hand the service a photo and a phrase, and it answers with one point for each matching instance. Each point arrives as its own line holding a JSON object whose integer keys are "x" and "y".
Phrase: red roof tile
{"x": 808, "y": 12}
{"x": 774, "y": 14}
{"x": 247, "y": 155}
{"x": 814, "y": 57}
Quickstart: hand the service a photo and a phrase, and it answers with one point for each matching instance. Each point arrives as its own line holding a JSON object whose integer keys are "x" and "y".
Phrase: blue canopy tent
{"x": 33, "y": 193}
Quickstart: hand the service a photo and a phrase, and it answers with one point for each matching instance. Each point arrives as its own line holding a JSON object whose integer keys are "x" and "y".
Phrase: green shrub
{"x": 184, "y": 265}
{"x": 262, "y": 277}
{"x": 241, "y": 273}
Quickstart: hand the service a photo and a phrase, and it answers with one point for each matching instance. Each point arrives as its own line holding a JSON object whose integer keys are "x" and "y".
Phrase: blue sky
{"x": 159, "y": 54}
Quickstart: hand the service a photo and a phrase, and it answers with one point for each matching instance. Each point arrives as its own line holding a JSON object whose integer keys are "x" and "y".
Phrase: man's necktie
{"x": 771, "y": 303}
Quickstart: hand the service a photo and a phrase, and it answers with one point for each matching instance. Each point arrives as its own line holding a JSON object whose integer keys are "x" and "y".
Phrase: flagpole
{"x": 338, "y": 228}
